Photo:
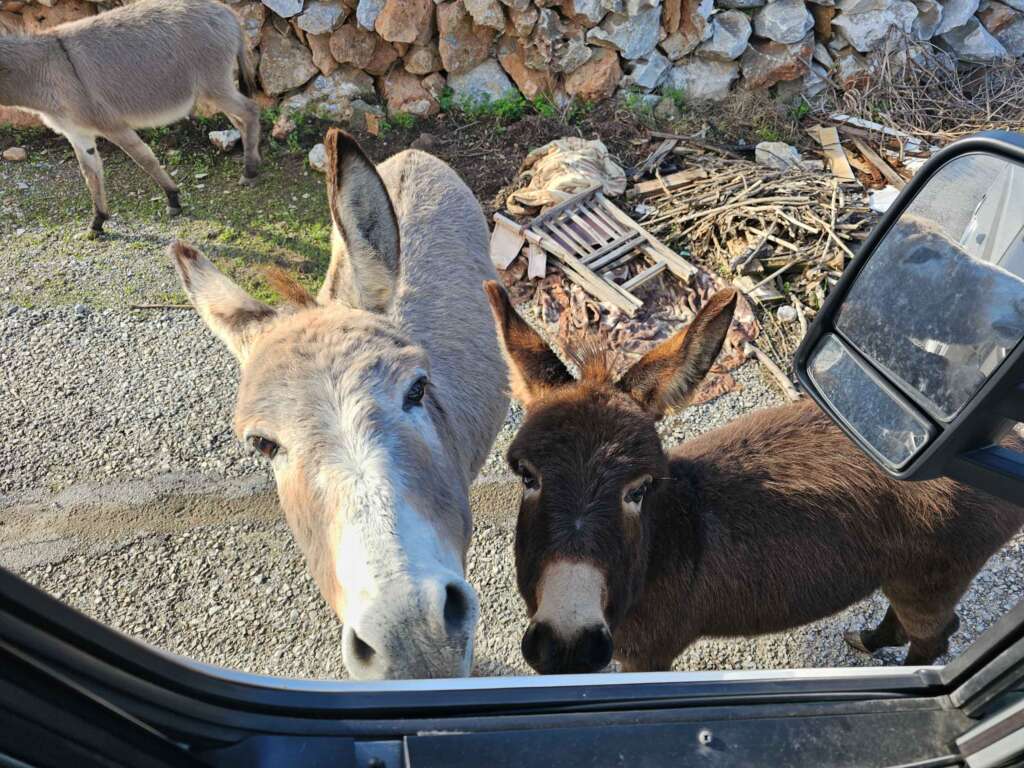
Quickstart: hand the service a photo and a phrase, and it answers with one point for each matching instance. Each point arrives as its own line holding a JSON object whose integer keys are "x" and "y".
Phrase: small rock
{"x": 784, "y": 21}
{"x": 592, "y": 11}
{"x": 530, "y": 82}
{"x": 283, "y": 127}
{"x": 402, "y": 21}
{"x": 366, "y": 117}
{"x": 487, "y": 13}
{"x": 648, "y": 73}
{"x": 597, "y": 79}
{"x": 285, "y": 63}
{"x": 486, "y": 81}
{"x": 765, "y": 63}
{"x": 426, "y": 142}
{"x": 321, "y": 17}
{"x": 703, "y": 80}
{"x": 955, "y": 13}
{"x": 633, "y": 36}
{"x": 777, "y": 154}
{"x": 730, "y": 31}
{"x": 367, "y": 12}
{"x": 423, "y": 59}
{"x": 929, "y": 16}
{"x": 405, "y": 93}
{"x": 284, "y": 8}
{"x": 462, "y": 44}
{"x": 351, "y": 45}
{"x": 868, "y": 31}
{"x": 973, "y": 43}
{"x": 1005, "y": 24}
{"x": 786, "y": 314}
{"x": 15, "y": 154}
{"x": 225, "y": 141}
{"x": 318, "y": 158}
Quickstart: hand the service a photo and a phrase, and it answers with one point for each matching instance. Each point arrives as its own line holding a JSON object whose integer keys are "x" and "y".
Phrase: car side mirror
{"x": 916, "y": 353}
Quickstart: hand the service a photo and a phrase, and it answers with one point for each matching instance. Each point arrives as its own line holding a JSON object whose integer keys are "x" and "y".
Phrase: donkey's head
{"x": 341, "y": 404}
{"x": 592, "y": 467}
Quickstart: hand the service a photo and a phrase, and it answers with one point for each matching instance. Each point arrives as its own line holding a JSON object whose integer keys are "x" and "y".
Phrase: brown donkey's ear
{"x": 667, "y": 376}
{"x": 532, "y": 367}
{"x": 364, "y": 240}
{"x": 234, "y": 317}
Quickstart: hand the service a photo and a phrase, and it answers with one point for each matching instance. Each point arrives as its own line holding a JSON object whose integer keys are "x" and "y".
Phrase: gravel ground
{"x": 125, "y": 493}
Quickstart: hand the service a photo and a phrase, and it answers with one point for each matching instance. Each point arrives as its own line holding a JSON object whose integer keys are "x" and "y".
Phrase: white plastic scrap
{"x": 881, "y": 199}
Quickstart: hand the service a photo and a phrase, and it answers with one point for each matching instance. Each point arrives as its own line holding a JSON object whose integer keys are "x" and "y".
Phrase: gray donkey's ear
{"x": 364, "y": 239}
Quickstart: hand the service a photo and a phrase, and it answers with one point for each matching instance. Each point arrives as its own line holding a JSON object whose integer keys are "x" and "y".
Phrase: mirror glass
{"x": 940, "y": 304}
{"x": 879, "y": 416}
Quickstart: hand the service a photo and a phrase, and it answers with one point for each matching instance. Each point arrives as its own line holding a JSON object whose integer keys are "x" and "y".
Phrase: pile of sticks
{"x": 791, "y": 229}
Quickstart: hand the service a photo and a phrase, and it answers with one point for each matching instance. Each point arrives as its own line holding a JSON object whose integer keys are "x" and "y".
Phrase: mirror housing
{"x": 906, "y": 355}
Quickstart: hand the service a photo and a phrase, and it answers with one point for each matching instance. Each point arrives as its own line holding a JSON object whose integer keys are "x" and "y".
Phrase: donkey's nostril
{"x": 362, "y": 651}
{"x": 456, "y": 608}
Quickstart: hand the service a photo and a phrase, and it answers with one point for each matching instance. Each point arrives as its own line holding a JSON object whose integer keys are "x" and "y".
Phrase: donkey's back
{"x": 148, "y": 63}
{"x": 445, "y": 260}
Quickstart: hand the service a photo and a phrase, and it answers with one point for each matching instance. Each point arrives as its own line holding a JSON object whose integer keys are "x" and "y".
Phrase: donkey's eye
{"x": 415, "y": 394}
{"x": 530, "y": 481}
{"x": 267, "y": 447}
{"x": 636, "y": 495}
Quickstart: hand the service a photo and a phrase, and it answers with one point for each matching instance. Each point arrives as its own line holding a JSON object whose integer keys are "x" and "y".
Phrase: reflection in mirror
{"x": 940, "y": 304}
{"x": 895, "y": 432}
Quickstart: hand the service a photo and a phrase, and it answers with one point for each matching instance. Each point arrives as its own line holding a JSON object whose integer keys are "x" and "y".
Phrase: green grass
{"x": 283, "y": 220}
{"x": 403, "y": 120}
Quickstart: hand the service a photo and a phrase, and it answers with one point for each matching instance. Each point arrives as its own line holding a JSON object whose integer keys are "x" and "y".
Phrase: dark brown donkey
{"x": 768, "y": 523}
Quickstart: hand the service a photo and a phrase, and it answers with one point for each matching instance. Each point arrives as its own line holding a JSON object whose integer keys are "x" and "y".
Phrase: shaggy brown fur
{"x": 768, "y": 523}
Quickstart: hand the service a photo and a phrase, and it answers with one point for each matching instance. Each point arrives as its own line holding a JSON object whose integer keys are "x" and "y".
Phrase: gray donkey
{"x": 139, "y": 66}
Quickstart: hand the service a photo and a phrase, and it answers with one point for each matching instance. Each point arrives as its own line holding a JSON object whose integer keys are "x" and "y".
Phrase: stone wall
{"x": 340, "y": 58}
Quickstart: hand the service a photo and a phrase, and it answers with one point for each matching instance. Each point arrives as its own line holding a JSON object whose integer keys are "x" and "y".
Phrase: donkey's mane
{"x": 289, "y": 288}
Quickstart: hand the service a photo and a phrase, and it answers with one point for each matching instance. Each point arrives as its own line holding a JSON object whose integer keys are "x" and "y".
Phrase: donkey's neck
{"x": 26, "y": 69}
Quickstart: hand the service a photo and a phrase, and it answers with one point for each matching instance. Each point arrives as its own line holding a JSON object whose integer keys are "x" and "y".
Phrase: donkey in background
{"x": 143, "y": 65}
{"x": 770, "y": 522}
{"x": 376, "y": 404}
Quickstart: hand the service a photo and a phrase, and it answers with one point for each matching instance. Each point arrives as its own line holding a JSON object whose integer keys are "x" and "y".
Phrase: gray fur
{"x": 143, "y": 65}
{"x": 376, "y": 494}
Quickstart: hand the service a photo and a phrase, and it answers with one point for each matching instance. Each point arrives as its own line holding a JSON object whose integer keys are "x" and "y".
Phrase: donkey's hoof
{"x": 89, "y": 234}
{"x": 173, "y": 211}
{"x": 855, "y": 639}
{"x": 247, "y": 181}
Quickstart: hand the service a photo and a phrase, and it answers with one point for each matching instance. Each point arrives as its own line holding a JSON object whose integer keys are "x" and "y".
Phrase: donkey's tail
{"x": 246, "y": 75}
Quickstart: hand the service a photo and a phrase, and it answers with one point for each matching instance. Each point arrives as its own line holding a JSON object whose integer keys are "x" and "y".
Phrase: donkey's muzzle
{"x": 589, "y": 651}
{"x": 416, "y": 629}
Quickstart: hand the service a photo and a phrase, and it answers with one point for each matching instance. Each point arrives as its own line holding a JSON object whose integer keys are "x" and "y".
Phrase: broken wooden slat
{"x": 834, "y": 153}
{"x": 572, "y": 202}
{"x": 912, "y": 144}
{"x": 679, "y": 266}
{"x": 667, "y": 183}
{"x": 632, "y": 241}
{"x": 506, "y": 241}
{"x": 581, "y": 274}
{"x": 537, "y": 262}
{"x": 651, "y": 272}
{"x": 883, "y": 167}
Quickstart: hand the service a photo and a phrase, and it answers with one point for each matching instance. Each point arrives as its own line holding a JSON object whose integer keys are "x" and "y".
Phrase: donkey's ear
{"x": 234, "y": 317}
{"x": 533, "y": 368}
{"x": 667, "y": 376}
{"x": 364, "y": 240}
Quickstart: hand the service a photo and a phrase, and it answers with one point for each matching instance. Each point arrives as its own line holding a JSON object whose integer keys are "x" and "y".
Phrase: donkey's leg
{"x": 91, "y": 165}
{"x": 887, "y": 634}
{"x": 927, "y": 612}
{"x": 244, "y": 114}
{"x": 133, "y": 146}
